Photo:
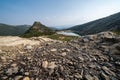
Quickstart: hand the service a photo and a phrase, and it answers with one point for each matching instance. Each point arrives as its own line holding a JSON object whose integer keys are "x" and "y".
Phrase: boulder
{"x": 26, "y": 78}
{"x": 107, "y": 34}
{"x": 53, "y": 50}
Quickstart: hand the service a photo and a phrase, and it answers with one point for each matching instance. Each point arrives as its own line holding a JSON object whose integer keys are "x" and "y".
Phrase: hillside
{"x": 38, "y": 29}
{"x": 105, "y": 24}
{"x": 12, "y": 30}
{"x": 92, "y": 57}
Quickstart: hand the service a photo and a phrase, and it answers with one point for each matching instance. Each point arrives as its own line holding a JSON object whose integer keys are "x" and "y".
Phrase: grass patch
{"x": 117, "y": 32}
{"x": 36, "y": 33}
{"x": 62, "y": 37}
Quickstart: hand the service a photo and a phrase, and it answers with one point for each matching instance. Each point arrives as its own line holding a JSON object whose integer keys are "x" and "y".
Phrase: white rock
{"x": 45, "y": 64}
{"x": 13, "y": 65}
{"x": 18, "y": 77}
{"x": 60, "y": 79}
{"x": 85, "y": 40}
{"x": 3, "y": 59}
{"x": 26, "y": 73}
{"x": 82, "y": 59}
{"x": 92, "y": 66}
{"x": 51, "y": 65}
{"x": 65, "y": 50}
{"x": 0, "y": 51}
{"x": 53, "y": 50}
{"x": 26, "y": 78}
{"x": 77, "y": 75}
{"x": 63, "y": 54}
{"x": 29, "y": 47}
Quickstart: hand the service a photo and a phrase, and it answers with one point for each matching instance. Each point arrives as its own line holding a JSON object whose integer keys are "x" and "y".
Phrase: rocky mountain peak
{"x": 36, "y": 24}
{"x": 38, "y": 29}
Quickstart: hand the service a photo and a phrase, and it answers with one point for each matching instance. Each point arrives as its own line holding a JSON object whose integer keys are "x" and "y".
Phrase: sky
{"x": 56, "y": 12}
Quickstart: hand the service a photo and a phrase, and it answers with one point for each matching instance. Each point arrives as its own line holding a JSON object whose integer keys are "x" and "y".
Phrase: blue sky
{"x": 56, "y": 12}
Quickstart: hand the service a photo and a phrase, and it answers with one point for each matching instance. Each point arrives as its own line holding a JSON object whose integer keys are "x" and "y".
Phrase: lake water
{"x": 67, "y": 33}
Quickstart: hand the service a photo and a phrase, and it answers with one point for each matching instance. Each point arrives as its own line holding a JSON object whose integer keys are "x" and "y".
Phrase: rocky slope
{"x": 91, "y": 57}
{"x": 111, "y": 22}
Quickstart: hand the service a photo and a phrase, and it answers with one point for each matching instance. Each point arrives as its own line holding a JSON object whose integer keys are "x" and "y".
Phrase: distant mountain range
{"x": 16, "y": 30}
{"x": 12, "y": 30}
{"x": 111, "y": 22}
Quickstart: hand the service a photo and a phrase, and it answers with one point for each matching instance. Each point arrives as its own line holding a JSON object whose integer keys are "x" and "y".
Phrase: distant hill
{"x": 38, "y": 29}
{"x": 111, "y": 22}
{"x": 12, "y": 30}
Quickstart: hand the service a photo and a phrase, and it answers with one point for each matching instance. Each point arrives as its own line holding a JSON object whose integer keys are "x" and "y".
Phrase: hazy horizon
{"x": 56, "y": 12}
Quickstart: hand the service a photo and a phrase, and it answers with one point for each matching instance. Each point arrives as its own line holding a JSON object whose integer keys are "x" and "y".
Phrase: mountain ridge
{"x": 12, "y": 30}
{"x": 111, "y": 22}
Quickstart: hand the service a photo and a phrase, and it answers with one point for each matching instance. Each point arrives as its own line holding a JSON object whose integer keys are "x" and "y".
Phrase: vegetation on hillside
{"x": 36, "y": 33}
{"x": 117, "y": 32}
{"x": 11, "y": 30}
{"x": 38, "y": 29}
{"x": 104, "y": 24}
{"x": 62, "y": 37}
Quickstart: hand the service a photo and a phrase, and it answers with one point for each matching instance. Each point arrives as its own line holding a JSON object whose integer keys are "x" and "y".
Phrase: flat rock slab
{"x": 15, "y": 40}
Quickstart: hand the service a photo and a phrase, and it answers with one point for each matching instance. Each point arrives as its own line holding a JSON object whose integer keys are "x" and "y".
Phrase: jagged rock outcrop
{"x": 90, "y": 57}
{"x": 38, "y": 29}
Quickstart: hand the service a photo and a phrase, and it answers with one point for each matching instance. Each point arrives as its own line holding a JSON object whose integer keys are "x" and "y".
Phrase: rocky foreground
{"x": 92, "y": 57}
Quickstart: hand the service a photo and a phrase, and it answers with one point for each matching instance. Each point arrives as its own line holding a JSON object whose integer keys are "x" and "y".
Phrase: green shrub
{"x": 117, "y": 32}
{"x": 36, "y": 33}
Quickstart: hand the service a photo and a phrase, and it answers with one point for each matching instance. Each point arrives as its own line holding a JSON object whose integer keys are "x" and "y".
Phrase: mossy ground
{"x": 117, "y": 32}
